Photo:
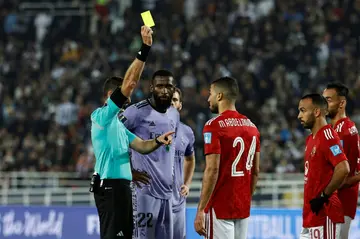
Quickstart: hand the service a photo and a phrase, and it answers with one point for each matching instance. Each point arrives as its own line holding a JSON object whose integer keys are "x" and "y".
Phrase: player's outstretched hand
{"x": 140, "y": 178}
{"x": 184, "y": 190}
{"x": 317, "y": 204}
{"x": 200, "y": 223}
{"x": 166, "y": 138}
{"x": 146, "y": 35}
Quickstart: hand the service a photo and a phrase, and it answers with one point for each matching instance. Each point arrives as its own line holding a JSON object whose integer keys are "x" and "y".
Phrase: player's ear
{"x": 342, "y": 104}
{"x": 180, "y": 106}
{"x": 151, "y": 88}
{"x": 219, "y": 96}
{"x": 318, "y": 112}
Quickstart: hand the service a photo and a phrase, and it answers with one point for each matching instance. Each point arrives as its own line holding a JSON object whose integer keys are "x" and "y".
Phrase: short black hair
{"x": 112, "y": 83}
{"x": 230, "y": 85}
{"x": 180, "y": 93}
{"x": 162, "y": 73}
{"x": 340, "y": 88}
{"x": 317, "y": 100}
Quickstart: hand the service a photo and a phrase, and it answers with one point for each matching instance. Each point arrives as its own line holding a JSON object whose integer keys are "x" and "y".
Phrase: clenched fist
{"x": 146, "y": 35}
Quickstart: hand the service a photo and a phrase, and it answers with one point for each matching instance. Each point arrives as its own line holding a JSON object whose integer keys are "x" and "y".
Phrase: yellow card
{"x": 147, "y": 18}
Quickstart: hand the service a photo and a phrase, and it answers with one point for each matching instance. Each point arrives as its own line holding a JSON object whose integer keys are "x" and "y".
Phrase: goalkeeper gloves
{"x": 318, "y": 203}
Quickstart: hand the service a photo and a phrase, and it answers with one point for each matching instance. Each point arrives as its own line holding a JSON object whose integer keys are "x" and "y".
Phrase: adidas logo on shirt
{"x": 120, "y": 234}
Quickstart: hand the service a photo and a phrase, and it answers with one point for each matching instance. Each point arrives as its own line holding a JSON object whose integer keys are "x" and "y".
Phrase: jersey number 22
{"x": 250, "y": 157}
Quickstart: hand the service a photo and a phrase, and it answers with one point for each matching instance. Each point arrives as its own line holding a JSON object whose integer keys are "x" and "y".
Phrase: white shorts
{"x": 329, "y": 231}
{"x": 221, "y": 228}
{"x": 345, "y": 228}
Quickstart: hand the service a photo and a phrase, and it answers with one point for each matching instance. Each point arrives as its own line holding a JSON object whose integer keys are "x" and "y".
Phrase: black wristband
{"x": 118, "y": 98}
{"x": 143, "y": 52}
{"x": 157, "y": 141}
{"x": 323, "y": 195}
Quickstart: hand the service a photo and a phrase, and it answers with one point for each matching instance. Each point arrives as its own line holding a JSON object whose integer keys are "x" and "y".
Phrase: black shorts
{"x": 114, "y": 205}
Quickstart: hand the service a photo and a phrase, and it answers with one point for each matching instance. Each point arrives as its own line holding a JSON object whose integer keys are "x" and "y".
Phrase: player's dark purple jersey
{"x": 147, "y": 123}
{"x": 184, "y": 147}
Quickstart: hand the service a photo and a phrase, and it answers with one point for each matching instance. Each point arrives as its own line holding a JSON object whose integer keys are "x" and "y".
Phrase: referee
{"x": 111, "y": 142}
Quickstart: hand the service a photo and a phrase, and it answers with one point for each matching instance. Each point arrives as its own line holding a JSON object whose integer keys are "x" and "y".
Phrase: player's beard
{"x": 214, "y": 109}
{"x": 309, "y": 124}
{"x": 162, "y": 103}
{"x": 332, "y": 113}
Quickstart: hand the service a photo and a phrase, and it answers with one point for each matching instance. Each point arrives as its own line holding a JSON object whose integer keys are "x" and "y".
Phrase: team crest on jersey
{"x": 353, "y": 130}
{"x": 207, "y": 138}
{"x": 335, "y": 149}
{"x": 313, "y": 151}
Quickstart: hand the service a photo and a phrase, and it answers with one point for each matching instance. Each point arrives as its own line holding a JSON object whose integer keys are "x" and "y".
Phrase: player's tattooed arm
{"x": 132, "y": 75}
{"x": 255, "y": 172}
{"x": 340, "y": 173}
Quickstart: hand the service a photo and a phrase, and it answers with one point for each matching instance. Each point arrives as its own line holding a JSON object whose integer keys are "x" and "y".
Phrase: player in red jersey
{"x": 336, "y": 95}
{"x": 232, "y": 147}
{"x": 326, "y": 167}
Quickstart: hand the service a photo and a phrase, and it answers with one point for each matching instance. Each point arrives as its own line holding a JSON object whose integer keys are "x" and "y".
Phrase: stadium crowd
{"x": 52, "y": 69}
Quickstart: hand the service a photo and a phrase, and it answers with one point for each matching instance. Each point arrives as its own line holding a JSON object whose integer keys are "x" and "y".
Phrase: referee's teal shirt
{"x": 111, "y": 140}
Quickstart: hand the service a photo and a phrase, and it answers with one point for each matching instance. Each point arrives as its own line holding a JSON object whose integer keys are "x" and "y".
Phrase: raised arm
{"x": 136, "y": 68}
{"x": 120, "y": 96}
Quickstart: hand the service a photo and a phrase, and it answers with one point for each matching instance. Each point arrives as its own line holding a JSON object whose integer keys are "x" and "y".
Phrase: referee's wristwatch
{"x": 157, "y": 141}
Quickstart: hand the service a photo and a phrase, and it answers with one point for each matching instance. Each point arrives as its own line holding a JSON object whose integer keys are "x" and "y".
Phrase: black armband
{"x": 143, "y": 52}
{"x": 118, "y": 98}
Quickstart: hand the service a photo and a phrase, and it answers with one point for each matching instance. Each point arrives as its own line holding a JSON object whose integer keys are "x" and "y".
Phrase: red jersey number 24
{"x": 250, "y": 157}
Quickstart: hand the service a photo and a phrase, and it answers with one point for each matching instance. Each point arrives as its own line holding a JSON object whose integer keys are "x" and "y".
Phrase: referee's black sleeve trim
{"x": 118, "y": 98}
